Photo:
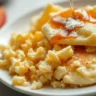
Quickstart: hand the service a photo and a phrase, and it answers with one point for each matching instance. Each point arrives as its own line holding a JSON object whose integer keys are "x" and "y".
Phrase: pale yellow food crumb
{"x": 52, "y": 59}
{"x": 44, "y": 67}
{"x": 59, "y": 72}
{"x": 19, "y": 81}
{"x": 22, "y": 68}
{"x": 65, "y": 53}
{"x": 36, "y": 85}
{"x": 57, "y": 84}
{"x": 33, "y": 69}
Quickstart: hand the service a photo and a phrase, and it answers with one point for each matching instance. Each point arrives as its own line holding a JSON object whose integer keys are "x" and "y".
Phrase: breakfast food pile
{"x": 59, "y": 50}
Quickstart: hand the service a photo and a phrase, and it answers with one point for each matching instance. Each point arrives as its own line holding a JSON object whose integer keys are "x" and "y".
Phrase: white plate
{"x": 19, "y": 25}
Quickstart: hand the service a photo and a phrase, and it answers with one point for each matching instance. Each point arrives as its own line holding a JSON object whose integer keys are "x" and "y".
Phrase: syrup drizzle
{"x": 60, "y": 21}
{"x": 71, "y": 5}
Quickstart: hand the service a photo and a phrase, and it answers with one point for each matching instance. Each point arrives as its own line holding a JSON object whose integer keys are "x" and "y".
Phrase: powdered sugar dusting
{"x": 72, "y": 23}
{"x": 83, "y": 12}
{"x": 59, "y": 19}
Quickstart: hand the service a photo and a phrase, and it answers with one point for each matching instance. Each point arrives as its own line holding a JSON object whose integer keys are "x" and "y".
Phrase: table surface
{"x": 15, "y": 8}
